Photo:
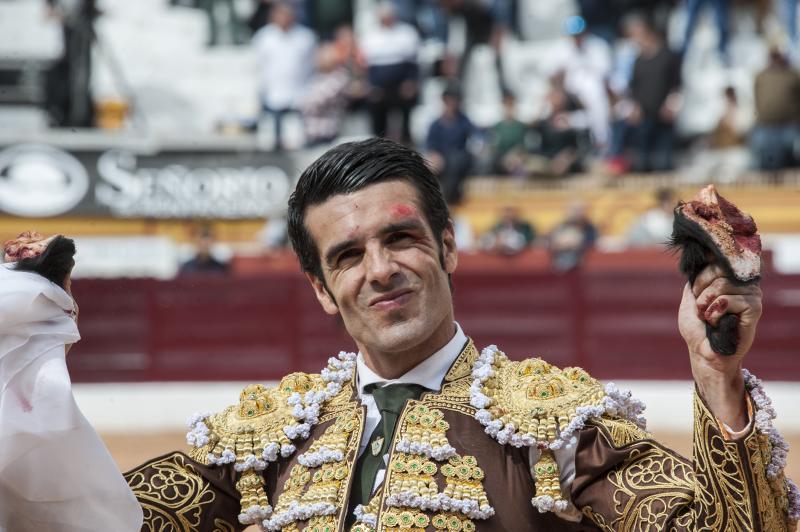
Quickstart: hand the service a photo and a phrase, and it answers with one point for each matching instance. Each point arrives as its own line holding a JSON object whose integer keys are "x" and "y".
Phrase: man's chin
{"x": 400, "y": 335}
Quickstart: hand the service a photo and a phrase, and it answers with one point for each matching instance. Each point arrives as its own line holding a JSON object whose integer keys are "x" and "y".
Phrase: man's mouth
{"x": 392, "y": 300}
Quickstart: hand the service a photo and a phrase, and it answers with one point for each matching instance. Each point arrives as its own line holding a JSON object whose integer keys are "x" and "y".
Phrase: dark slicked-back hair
{"x": 348, "y": 168}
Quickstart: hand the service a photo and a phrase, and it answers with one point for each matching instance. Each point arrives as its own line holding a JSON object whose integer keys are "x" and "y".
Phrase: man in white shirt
{"x": 390, "y": 50}
{"x": 285, "y": 57}
{"x": 421, "y": 431}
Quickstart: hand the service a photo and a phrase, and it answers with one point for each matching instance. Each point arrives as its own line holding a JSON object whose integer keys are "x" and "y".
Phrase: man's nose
{"x": 380, "y": 265}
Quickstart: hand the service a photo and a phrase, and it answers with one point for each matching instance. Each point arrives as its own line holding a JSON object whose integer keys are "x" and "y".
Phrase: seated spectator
{"x": 654, "y": 226}
{"x": 655, "y": 99}
{"x": 559, "y": 140}
{"x": 776, "y": 135}
{"x": 507, "y": 140}
{"x": 572, "y": 238}
{"x": 285, "y": 59}
{"x": 511, "y": 234}
{"x": 204, "y": 261}
{"x": 392, "y": 71}
{"x": 326, "y": 98}
{"x": 446, "y": 145}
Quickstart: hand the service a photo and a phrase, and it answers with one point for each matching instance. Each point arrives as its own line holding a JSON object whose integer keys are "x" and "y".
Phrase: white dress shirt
{"x": 390, "y": 45}
{"x": 430, "y": 373}
{"x": 285, "y": 64}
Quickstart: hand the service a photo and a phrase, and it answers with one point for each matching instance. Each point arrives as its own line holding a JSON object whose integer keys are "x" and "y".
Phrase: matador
{"x": 421, "y": 430}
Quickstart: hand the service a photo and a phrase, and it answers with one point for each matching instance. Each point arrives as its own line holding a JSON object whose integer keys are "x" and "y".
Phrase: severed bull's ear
{"x": 54, "y": 263}
{"x": 711, "y": 230}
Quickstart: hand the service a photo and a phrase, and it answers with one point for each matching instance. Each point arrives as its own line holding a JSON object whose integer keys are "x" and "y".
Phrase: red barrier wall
{"x": 616, "y": 318}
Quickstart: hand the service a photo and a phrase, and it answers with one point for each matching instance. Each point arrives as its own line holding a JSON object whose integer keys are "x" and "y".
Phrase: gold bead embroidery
{"x": 448, "y": 521}
{"x": 414, "y": 475}
{"x": 547, "y": 475}
{"x": 463, "y": 477}
{"x": 406, "y": 520}
{"x": 423, "y": 433}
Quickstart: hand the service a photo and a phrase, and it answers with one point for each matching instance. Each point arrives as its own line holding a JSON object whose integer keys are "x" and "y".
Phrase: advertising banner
{"x": 39, "y": 180}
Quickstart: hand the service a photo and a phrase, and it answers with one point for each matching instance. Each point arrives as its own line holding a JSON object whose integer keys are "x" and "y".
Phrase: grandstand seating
{"x": 181, "y": 86}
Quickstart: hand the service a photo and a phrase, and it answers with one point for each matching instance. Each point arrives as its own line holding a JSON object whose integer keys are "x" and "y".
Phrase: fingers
{"x": 731, "y": 304}
{"x": 721, "y": 286}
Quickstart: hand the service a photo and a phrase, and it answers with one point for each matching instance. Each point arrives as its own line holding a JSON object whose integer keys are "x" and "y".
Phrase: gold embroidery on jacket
{"x": 222, "y": 526}
{"x": 656, "y": 489}
{"x": 722, "y": 494}
{"x": 172, "y": 494}
{"x": 769, "y": 503}
{"x": 622, "y": 431}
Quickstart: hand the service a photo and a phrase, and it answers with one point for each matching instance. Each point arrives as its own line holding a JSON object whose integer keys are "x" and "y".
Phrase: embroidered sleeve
{"x": 177, "y": 494}
{"x": 626, "y": 481}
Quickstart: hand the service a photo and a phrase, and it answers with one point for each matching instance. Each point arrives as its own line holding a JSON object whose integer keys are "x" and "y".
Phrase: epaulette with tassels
{"x": 532, "y": 403}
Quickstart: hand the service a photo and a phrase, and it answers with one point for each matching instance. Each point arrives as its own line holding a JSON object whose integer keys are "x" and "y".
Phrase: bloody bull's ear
{"x": 54, "y": 262}
{"x": 709, "y": 229}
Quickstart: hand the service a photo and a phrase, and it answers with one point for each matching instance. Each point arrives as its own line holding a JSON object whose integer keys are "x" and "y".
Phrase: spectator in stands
{"x": 349, "y": 55}
{"x": 204, "y": 261}
{"x": 720, "y": 7}
{"x": 511, "y": 235}
{"x": 285, "y": 57}
{"x": 391, "y": 52}
{"x": 723, "y": 155}
{"x": 348, "y": 52}
{"x": 447, "y": 144}
{"x": 558, "y": 141}
{"x": 586, "y": 63}
{"x": 326, "y": 99}
{"x": 776, "y": 135}
{"x": 654, "y": 103}
{"x": 572, "y": 238}
{"x": 654, "y": 226}
{"x": 507, "y": 140}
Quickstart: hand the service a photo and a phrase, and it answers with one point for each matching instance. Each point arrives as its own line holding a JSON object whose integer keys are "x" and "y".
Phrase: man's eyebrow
{"x": 405, "y": 225}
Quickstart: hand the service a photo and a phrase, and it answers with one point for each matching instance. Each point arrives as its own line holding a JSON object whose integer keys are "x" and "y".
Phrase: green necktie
{"x": 390, "y": 400}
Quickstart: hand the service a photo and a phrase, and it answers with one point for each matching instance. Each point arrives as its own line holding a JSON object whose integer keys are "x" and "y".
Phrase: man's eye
{"x": 348, "y": 256}
{"x": 399, "y": 238}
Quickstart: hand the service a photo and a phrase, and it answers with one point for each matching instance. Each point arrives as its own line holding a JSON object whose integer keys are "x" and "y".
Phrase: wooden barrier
{"x": 616, "y": 317}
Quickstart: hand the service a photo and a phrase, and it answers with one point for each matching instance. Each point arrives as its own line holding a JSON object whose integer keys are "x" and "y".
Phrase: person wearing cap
{"x": 421, "y": 430}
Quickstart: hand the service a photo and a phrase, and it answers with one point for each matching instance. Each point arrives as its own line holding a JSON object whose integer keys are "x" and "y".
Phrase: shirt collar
{"x": 428, "y": 373}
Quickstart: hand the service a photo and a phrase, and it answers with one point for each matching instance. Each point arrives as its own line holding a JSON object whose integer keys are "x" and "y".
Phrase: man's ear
{"x": 449, "y": 251}
{"x": 324, "y": 298}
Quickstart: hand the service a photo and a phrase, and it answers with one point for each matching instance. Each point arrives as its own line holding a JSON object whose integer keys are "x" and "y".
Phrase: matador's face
{"x": 386, "y": 273}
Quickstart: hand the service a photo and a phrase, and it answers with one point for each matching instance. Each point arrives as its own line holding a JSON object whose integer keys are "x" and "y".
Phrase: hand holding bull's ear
{"x": 51, "y": 257}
